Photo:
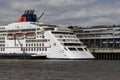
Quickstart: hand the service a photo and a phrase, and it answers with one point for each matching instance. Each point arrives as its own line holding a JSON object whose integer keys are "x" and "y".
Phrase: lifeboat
{"x": 19, "y": 35}
{"x": 30, "y": 35}
{"x": 10, "y": 36}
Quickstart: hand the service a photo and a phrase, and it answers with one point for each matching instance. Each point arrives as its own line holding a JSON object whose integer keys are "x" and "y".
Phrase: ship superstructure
{"x": 28, "y": 36}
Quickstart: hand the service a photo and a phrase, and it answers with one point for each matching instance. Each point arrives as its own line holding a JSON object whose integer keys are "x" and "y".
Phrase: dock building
{"x": 102, "y": 41}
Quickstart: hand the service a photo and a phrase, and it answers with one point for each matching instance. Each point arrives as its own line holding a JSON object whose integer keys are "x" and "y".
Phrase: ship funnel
{"x": 28, "y": 16}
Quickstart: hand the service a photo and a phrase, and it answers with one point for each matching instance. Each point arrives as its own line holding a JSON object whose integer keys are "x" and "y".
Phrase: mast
{"x": 40, "y": 17}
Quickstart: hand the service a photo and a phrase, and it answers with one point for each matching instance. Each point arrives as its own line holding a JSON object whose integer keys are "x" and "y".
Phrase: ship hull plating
{"x": 20, "y": 56}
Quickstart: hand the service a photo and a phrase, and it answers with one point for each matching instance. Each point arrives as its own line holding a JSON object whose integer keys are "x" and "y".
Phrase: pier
{"x": 103, "y": 41}
{"x": 105, "y": 53}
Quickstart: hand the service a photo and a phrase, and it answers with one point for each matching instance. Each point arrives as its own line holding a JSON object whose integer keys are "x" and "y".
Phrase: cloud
{"x": 64, "y": 12}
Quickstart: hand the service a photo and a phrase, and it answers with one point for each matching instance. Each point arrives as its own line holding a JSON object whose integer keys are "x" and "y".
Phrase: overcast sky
{"x": 64, "y": 12}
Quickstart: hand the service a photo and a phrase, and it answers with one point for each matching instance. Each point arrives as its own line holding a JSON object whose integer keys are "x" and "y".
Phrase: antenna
{"x": 40, "y": 17}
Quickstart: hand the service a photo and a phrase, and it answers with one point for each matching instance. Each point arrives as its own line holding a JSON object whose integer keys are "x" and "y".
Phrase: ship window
{"x": 70, "y": 33}
{"x": 2, "y": 49}
{"x": 39, "y": 49}
{"x": 44, "y": 40}
{"x": 34, "y": 49}
{"x": 60, "y": 36}
{"x": 21, "y": 49}
{"x": 25, "y": 49}
{"x": 45, "y": 49}
{"x": 42, "y": 49}
{"x": 43, "y": 36}
{"x": 65, "y": 49}
{"x": 72, "y": 49}
{"x": 48, "y": 28}
{"x": 72, "y": 44}
{"x": 54, "y": 44}
{"x": 48, "y": 39}
{"x": 31, "y": 49}
{"x": 40, "y": 44}
{"x": 85, "y": 49}
{"x": 64, "y": 40}
{"x": 37, "y": 44}
{"x": 38, "y": 28}
{"x": 80, "y": 49}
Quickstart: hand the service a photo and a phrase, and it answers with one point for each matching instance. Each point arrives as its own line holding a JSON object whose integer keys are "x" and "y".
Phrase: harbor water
{"x": 15, "y": 69}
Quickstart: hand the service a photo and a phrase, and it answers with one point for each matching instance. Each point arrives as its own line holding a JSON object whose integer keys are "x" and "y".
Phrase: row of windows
{"x": 41, "y": 40}
{"x": 72, "y": 44}
{"x": 33, "y": 44}
{"x": 66, "y": 40}
{"x": 40, "y": 36}
{"x": 3, "y": 31}
{"x": 73, "y": 40}
{"x": 2, "y": 45}
{"x": 23, "y": 30}
{"x": 34, "y": 49}
{"x": 2, "y": 28}
{"x": 2, "y": 38}
{"x": 80, "y": 49}
{"x": 29, "y": 49}
{"x": 66, "y": 36}
{"x": 70, "y": 33}
{"x": 2, "y": 34}
{"x": 2, "y": 49}
{"x": 48, "y": 28}
{"x": 2, "y": 41}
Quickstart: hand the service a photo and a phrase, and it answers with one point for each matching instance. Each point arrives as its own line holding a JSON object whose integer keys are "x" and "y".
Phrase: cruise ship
{"x": 30, "y": 37}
